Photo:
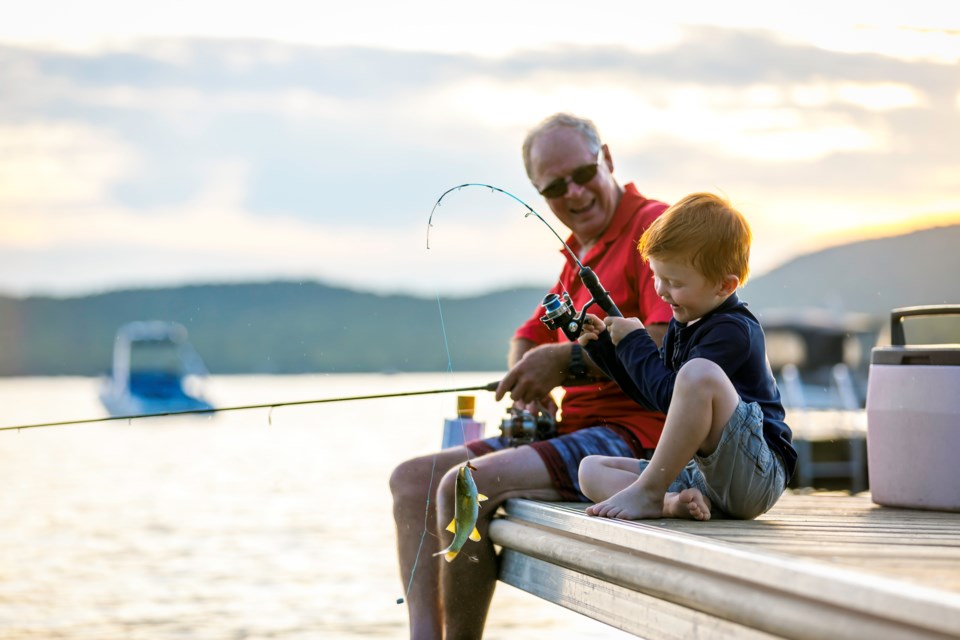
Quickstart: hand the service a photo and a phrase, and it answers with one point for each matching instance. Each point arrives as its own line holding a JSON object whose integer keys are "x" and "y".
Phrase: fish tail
{"x": 448, "y": 554}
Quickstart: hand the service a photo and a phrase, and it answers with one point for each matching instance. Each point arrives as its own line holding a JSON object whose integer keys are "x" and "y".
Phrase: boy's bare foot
{"x": 632, "y": 503}
{"x": 689, "y": 503}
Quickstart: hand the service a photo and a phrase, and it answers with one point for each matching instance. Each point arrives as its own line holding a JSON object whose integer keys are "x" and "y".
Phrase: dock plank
{"x": 815, "y": 566}
{"x": 917, "y": 546}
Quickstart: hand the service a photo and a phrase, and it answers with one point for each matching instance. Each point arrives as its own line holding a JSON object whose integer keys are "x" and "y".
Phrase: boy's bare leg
{"x": 602, "y": 477}
{"x": 703, "y": 401}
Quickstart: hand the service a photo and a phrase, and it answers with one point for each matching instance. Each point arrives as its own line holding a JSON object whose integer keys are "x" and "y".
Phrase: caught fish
{"x": 465, "y": 513}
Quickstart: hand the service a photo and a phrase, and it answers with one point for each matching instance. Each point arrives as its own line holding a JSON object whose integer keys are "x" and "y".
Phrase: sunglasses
{"x": 581, "y": 175}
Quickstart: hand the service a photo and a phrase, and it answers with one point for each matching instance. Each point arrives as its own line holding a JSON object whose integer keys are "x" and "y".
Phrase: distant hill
{"x": 292, "y": 327}
{"x": 280, "y": 327}
{"x": 870, "y": 276}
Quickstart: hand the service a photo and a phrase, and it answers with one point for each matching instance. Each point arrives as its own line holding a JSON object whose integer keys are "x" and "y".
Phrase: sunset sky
{"x": 194, "y": 142}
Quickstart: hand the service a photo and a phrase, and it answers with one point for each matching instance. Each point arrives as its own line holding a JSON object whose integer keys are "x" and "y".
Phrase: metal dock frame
{"x": 659, "y": 583}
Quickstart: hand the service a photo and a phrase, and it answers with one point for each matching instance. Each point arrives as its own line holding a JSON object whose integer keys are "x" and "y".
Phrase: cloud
{"x": 301, "y": 146}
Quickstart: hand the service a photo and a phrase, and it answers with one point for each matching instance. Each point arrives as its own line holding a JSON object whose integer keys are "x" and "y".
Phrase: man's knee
{"x": 412, "y": 477}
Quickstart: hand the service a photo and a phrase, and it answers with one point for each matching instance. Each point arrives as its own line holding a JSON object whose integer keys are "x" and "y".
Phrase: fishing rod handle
{"x": 600, "y": 295}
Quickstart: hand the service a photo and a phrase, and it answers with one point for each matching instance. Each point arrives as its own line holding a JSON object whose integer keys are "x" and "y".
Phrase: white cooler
{"x": 913, "y": 419}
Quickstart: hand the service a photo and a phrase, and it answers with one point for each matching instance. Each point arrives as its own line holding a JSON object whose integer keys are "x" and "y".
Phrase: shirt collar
{"x": 630, "y": 203}
{"x": 728, "y": 304}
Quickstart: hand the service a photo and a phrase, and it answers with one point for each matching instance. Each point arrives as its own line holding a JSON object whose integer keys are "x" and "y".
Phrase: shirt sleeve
{"x": 648, "y": 373}
{"x": 603, "y": 352}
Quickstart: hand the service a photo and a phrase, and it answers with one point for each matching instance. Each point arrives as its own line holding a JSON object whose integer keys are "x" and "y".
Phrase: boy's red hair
{"x": 706, "y": 230}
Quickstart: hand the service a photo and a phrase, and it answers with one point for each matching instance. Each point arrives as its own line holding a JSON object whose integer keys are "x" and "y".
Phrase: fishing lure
{"x": 466, "y": 509}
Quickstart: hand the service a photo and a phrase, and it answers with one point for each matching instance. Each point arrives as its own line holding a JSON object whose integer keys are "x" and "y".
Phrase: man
{"x": 570, "y": 167}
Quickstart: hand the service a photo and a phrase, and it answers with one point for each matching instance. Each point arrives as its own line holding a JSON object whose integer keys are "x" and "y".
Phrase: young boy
{"x": 725, "y": 445}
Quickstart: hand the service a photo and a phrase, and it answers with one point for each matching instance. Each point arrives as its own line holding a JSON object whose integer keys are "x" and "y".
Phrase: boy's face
{"x": 689, "y": 294}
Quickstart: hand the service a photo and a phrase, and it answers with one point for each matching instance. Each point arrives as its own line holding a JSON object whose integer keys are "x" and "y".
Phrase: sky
{"x": 204, "y": 142}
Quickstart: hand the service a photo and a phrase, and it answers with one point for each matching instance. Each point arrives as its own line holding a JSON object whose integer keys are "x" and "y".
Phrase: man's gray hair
{"x": 586, "y": 128}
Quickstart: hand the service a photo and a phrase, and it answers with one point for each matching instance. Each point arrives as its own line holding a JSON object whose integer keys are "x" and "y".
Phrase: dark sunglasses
{"x": 581, "y": 175}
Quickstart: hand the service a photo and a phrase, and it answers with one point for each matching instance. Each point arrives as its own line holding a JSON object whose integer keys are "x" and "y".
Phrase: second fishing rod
{"x": 520, "y": 426}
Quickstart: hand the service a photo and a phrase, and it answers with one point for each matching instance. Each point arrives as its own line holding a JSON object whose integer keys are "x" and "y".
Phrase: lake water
{"x": 245, "y": 525}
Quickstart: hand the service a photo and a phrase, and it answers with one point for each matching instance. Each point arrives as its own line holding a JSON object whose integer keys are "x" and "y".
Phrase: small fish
{"x": 465, "y": 512}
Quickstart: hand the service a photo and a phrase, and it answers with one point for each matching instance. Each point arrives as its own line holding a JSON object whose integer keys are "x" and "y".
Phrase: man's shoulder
{"x": 643, "y": 210}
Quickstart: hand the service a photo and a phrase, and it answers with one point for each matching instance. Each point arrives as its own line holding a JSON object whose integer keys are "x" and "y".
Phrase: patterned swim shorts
{"x": 562, "y": 454}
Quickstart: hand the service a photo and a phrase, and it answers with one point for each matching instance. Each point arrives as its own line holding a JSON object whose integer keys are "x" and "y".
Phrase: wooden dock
{"x": 816, "y": 566}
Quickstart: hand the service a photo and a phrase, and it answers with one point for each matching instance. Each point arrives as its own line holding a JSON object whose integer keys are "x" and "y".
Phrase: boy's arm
{"x": 639, "y": 359}
{"x": 724, "y": 342}
{"x": 603, "y": 352}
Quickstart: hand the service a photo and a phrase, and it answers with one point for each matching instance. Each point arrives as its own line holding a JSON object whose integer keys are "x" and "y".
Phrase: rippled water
{"x": 253, "y": 524}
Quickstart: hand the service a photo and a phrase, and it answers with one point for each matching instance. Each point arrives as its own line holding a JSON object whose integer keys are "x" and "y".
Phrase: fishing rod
{"x": 491, "y": 386}
{"x": 560, "y": 312}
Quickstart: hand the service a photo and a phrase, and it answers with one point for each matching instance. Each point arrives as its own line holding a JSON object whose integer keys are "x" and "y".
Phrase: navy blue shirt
{"x": 730, "y": 336}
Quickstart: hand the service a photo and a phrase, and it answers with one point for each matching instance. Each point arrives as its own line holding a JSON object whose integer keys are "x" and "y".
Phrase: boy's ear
{"x": 729, "y": 284}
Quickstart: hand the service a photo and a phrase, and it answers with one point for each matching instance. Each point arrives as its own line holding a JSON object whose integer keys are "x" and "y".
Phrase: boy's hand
{"x": 591, "y": 330}
{"x": 620, "y": 327}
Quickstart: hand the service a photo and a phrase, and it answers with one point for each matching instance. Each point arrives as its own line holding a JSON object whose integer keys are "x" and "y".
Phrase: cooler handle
{"x": 897, "y": 337}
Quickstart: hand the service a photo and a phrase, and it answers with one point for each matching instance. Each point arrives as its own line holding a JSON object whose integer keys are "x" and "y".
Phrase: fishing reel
{"x": 561, "y": 314}
{"x": 523, "y": 427}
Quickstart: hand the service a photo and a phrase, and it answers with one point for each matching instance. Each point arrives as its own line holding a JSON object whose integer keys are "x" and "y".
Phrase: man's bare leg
{"x": 467, "y": 584}
{"x": 414, "y": 486}
{"x": 703, "y": 401}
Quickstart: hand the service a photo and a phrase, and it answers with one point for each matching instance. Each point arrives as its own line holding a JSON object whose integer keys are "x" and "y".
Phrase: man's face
{"x": 585, "y": 209}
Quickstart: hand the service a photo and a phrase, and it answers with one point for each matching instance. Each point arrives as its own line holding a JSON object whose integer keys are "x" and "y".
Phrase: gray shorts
{"x": 743, "y": 478}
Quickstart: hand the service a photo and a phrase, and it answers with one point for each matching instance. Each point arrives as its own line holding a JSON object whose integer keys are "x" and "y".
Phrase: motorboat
{"x": 156, "y": 370}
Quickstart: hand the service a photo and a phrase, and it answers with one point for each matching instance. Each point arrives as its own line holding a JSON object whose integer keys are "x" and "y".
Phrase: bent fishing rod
{"x": 560, "y": 312}
{"x": 491, "y": 386}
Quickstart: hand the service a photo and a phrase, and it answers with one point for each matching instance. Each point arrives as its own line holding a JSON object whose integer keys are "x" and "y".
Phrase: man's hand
{"x": 620, "y": 327}
{"x": 537, "y": 372}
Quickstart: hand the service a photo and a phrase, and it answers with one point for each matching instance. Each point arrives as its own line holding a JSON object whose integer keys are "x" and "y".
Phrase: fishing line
{"x": 433, "y": 468}
{"x": 491, "y": 386}
{"x": 530, "y": 212}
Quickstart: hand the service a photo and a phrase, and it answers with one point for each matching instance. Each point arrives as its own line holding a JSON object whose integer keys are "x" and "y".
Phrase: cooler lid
{"x": 931, "y": 355}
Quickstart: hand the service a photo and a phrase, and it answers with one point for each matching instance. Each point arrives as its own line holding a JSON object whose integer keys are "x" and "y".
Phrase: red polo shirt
{"x": 622, "y": 272}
